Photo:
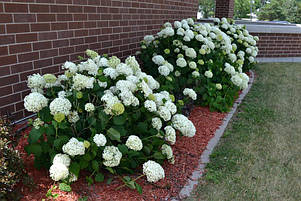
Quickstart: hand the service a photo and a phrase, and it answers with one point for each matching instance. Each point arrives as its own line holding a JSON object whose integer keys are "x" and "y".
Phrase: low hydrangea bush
{"x": 102, "y": 115}
{"x": 200, "y": 61}
{"x": 244, "y": 44}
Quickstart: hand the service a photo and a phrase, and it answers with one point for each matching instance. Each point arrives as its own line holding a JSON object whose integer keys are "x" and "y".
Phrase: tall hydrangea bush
{"x": 206, "y": 60}
{"x": 102, "y": 115}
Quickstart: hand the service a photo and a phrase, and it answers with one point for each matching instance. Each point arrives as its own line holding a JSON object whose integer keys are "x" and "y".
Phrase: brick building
{"x": 37, "y": 36}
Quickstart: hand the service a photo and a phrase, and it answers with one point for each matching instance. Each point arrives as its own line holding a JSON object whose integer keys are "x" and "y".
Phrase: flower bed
{"x": 107, "y": 122}
{"x": 187, "y": 152}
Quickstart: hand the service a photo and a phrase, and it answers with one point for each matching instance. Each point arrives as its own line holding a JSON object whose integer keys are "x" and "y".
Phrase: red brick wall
{"x": 37, "y": 36}
{"x": 224, "y": 8}
{"x": 279, "y": 44}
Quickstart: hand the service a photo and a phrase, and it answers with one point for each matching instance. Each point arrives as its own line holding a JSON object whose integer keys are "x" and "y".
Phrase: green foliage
{"x": 243, "y": 7}
{"x": 217, "y": 92}
{"x": 281, "y": 10}
{"x": 206, "y": 7}
{"x": 50, "y": 194}
{"x": 97, "y": 119}
{"x": 65, "y": 187}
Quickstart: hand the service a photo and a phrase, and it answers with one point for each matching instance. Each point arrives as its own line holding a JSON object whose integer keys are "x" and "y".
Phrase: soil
{"x": 187, "y": 152}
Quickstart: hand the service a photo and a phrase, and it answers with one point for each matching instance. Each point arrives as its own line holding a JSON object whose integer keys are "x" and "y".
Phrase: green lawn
{"x": 259, "y": 156}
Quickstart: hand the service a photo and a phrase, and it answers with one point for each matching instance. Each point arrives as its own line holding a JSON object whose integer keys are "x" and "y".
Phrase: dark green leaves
{"x": 34, "y": 149}
{"x": 74, "y": 168}
{"x": 35, "y": 135}
{"x": 113, "y": 134}
{"x": 119, "y": 120}
{"x": 95, "y": 165}
{"x": 99, "y": 177}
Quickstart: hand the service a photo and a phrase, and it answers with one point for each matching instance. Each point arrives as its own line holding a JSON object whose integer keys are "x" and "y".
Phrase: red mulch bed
{"x": 187, "y": 153}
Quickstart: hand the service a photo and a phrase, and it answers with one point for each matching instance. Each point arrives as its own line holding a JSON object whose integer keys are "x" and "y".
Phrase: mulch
{"x": 187, "y": 152}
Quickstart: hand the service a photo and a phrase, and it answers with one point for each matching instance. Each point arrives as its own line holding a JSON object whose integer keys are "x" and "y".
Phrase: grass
{"x": 259, "y": 156}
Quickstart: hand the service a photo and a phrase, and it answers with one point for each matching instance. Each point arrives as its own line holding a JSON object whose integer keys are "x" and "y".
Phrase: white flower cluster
{"x": 59, "y": 169}
{"x": 125, "y": 90}
{"x": 60, "y": 105}
{"x": 241, "y": 80}
{"x": 167, "y": 150}
{"x": 190, "y": 92}
{"x": 36, "y": 82}
{"x": 89, "y": 107}
{"x": 149, "y": 38}
{"x": 158, "y": 59}
{"x": 37, "y": 123}
{"x": 82, "y": 82}
{"x": 184, "y": 125}
{"x": 100, "y": 140}
{"x": 170, "y": 135}
{"x": 74, "y": 147}
{"x": 62, "y": 158}
{"x": 70, "y": 66}
{"x": 73, "y": 117}
{"x": 112, "y": 156}
{"x": 150, "y": 105}
{"x": 156, "y": 123}
{"x": 90, "y": 66}
{"x": 110, "y": 100}
{"x": 34, "y": 102}
{"x": 134, "y": 142}
{"x": 153, "y": 171}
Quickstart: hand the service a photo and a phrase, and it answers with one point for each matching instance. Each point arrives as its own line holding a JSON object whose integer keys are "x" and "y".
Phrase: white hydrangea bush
{"x": 104, "y": 115}
{"x": 210, "y": 59}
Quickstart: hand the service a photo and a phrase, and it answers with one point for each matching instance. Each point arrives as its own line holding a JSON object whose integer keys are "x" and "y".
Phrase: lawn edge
{"x": 205, "y": 157}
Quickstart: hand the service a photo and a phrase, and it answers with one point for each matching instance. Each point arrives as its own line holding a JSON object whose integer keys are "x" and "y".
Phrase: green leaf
{"x": 109, "y": 181}
{"x": 49, "y": 129}
{"x": 159, "y": 156}
{"x": 60, "y": 141}
{"x": 33, "y": 149}
{"x": 89, "y": 180}
{"x": 123, "y": 149}
{"x": 127, "y": 178}
{"x": 142, "y": 127}
{"x": 63, "y": 125}
{"x": 83, "y": 163}
{"x": 138, "y": 187}
{"x": 74, "y": 168}
{"x": 35, "y": 135}
{"x": 119, "y": 120}
{"x": 111, "y": 170}
{"x": 45, "y": 114}
{"x": 91, "y": 121}
{"x": 131, "y": 184}
{"x": 65, "y": 187}
{"x": 87, "y": 157}
{"x": 114, "y": 134}
{"x": 95, "y": 165}
{"x": 99, "y": 177}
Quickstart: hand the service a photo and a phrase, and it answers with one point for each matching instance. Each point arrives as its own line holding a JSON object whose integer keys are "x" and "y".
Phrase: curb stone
{"x": 205, "y": 157}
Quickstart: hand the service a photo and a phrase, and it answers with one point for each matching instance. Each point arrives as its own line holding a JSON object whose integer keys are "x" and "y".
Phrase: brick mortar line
{"x": 187, "y": 5}
{"x": 192, "y": 181}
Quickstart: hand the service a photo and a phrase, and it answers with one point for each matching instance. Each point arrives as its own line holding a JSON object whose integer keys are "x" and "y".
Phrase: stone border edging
{"x": 205, "y": 157}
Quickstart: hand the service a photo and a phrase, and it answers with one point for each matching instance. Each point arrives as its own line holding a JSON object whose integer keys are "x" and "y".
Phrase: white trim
{"x": 278, "y": 59}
